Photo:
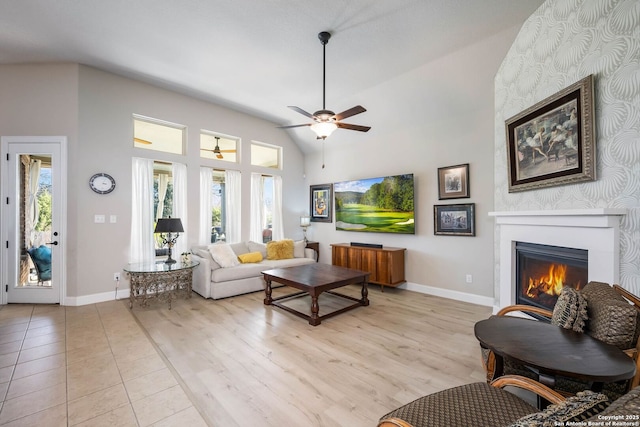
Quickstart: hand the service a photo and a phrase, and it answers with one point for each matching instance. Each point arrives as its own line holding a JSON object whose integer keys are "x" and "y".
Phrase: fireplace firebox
{"x": 543, "y": 270}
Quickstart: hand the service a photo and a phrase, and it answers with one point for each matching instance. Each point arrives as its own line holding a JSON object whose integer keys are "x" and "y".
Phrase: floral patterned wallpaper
{"x": 562, "y": 42}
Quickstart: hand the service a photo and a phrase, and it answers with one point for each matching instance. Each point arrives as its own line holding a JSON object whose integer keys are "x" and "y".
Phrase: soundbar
{"x": 367, "y": 245}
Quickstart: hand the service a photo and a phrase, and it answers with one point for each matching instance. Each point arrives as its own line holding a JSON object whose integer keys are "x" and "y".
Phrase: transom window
{"x": 266, "y": 155}
{"x": 219, "y": 147}
{"x": 158, "y": 135}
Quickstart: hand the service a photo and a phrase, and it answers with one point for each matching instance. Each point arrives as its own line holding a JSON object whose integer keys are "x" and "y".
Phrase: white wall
{"x": 43, "y": 100}
{"x": 434, "y": 116}
{"x": 94, "y": 110}
{"x": 561, "y": 43}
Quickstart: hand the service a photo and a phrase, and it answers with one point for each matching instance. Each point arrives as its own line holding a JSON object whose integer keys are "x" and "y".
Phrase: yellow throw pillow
{"x": 281, "y": 249}
{"x": 250, "y": 257}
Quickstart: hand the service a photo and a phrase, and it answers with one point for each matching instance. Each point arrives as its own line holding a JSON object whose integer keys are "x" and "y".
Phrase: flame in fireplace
{"x": 550, "y": 284}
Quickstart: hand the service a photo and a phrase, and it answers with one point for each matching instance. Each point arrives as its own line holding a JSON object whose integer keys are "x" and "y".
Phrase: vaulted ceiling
{"x": 256, "y": 56}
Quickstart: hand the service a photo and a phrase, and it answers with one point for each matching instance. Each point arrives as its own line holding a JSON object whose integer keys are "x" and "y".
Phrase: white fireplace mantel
{"x": 595, "y": 230}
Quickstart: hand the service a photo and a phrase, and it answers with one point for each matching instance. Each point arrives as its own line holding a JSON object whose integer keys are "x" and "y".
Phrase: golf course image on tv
{"x": 381, "y": 205}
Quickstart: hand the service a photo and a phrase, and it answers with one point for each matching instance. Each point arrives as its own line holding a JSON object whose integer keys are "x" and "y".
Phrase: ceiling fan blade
{"x": 350, "y": 112}
{"x": 353, "y": 127}
{"x": 301, "y": 111}
{"x": 142, "y": 141}
{"x": 293, "y": 126}
{"x": 227, "y": 151}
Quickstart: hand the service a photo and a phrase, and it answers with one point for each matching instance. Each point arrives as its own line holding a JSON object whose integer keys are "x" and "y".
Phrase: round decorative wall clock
{"x": 102, "y": 183}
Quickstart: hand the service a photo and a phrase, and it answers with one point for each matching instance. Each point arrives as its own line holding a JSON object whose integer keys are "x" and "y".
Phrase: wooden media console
{"x": 385, "y": 265}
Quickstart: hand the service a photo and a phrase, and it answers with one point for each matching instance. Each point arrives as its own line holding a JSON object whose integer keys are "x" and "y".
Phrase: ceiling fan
{"x": 217, "y": 151}
{"x": 142, "y": 141}
{"x": 326, "y": 121}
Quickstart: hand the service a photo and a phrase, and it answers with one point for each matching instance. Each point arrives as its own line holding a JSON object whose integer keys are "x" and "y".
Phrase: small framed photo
{"x": 453, "y": 182}
{"x": 321, "y": 203}
{"x": 454, "y": 220}
{"x": 553, "y": 142}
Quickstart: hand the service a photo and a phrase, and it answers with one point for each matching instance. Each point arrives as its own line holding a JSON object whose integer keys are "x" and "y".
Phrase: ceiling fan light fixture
{"x": 323, "y": 129}
{"x": 326, "y": 121}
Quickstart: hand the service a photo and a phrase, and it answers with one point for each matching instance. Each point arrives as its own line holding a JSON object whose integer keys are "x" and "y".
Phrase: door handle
{"x": 55, "y": 243}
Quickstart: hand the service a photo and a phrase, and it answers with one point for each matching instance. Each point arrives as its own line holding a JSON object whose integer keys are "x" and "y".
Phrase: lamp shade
{"x": 169, "y": 225}
{"x": 323, "y": 129}
{"x": 305, "y": 221}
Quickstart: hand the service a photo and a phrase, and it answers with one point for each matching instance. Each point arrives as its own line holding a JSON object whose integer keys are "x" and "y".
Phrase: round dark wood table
{"x": 551, "y": 350}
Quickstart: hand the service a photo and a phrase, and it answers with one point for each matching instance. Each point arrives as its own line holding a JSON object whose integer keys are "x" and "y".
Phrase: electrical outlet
{"x": 116, "y": 277}
{"x": 469, "y": 278}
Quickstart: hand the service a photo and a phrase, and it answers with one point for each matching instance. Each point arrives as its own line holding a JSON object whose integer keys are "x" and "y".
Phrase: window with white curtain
{"x": 266, "y": 208}
{"x": 267, "y": 202}
{"x": 217, "y": 207}
{"x": 159, "y": 191}
{"x": 220, "y": 210}
{"x": 162, "y": 190}
{"x": 162, "y": 196}
{"x": 169, "y": 197}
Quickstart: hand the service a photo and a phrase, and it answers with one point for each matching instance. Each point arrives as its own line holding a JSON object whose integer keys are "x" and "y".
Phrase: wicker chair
{"x": 482, "y": 404}
{"x": 613, "y": 316}
{"x": 477, "y": 404}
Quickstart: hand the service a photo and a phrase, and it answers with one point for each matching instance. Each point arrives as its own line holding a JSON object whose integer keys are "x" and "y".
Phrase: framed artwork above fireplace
{"x": 553, "y": 142}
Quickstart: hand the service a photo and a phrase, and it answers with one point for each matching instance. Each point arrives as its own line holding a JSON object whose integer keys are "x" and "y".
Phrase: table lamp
{"x": 305, "y": 221}
{"x": 166, "y": 227}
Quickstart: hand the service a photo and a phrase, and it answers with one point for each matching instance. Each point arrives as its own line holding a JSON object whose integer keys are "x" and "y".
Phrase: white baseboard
{"x": 446, "y": 293}
{"x": 96, "y": 298}
{"x": 415, "y": 287}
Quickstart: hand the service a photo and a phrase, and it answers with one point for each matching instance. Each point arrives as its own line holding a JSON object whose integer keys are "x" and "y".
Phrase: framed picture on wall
{"x": 321, "y": 203}
{"x": 553, "y": 142}
{"x": 453, "y": 182}
{"x": 454, "y": 220}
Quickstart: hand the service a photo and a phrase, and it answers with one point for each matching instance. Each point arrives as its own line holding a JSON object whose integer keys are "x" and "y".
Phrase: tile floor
{"x": 85, "y": 366}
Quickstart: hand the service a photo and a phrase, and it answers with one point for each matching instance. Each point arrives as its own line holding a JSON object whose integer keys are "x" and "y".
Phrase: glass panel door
{"x": 35, "y": 232}
{"x": 32, "y": 225}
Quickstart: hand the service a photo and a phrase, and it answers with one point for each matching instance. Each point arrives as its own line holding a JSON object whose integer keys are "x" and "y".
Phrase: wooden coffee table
{"x": 314, "y": 279}
{"x": 551, "y": 350}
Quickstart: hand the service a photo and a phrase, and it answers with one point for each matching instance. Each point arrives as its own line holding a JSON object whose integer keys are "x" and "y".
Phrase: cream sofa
{"x": 212, "y": 281}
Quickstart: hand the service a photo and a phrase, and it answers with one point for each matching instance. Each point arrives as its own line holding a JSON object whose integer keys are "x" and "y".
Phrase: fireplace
{"x": 595, "y": 230}
{"x": 543, "y": 270}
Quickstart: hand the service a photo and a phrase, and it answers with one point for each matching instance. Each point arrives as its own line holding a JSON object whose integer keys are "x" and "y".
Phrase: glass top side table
{"x": 157, "y": 280}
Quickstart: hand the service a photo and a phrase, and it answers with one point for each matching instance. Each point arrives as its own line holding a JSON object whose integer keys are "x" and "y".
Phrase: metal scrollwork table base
{"x": 159, "y": 281}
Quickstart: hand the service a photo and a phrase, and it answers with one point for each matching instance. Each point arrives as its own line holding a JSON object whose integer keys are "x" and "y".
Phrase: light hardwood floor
{"x": 246, "y": 364}
{"x": 232, "y": 362}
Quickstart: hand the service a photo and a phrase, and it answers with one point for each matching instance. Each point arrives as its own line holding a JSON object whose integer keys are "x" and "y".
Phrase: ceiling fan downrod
{"x": 324, "y": 39}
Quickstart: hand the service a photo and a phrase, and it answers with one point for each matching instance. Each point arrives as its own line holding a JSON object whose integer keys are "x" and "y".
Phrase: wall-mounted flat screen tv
{"x": 381, "y": 205}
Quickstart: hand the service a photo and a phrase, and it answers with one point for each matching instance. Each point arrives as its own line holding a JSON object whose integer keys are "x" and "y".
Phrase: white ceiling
{"x": 256, "y": 56}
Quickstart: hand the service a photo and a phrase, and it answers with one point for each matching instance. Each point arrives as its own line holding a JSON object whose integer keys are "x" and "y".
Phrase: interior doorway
{"x": 33, "y": 212}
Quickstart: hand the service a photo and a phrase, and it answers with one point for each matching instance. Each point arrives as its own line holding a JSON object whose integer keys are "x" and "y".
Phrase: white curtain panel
{"x": 180, "y": 207}
{"x": 277, "y": 222}
{"x": 257, "y": 208}
{"x": 206, "y": 179}
{"x": 142, "y": 247}
{"x": 233, "y": 200}
{"x": 34, "y": 185}
{"x": 163, "y": 182}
